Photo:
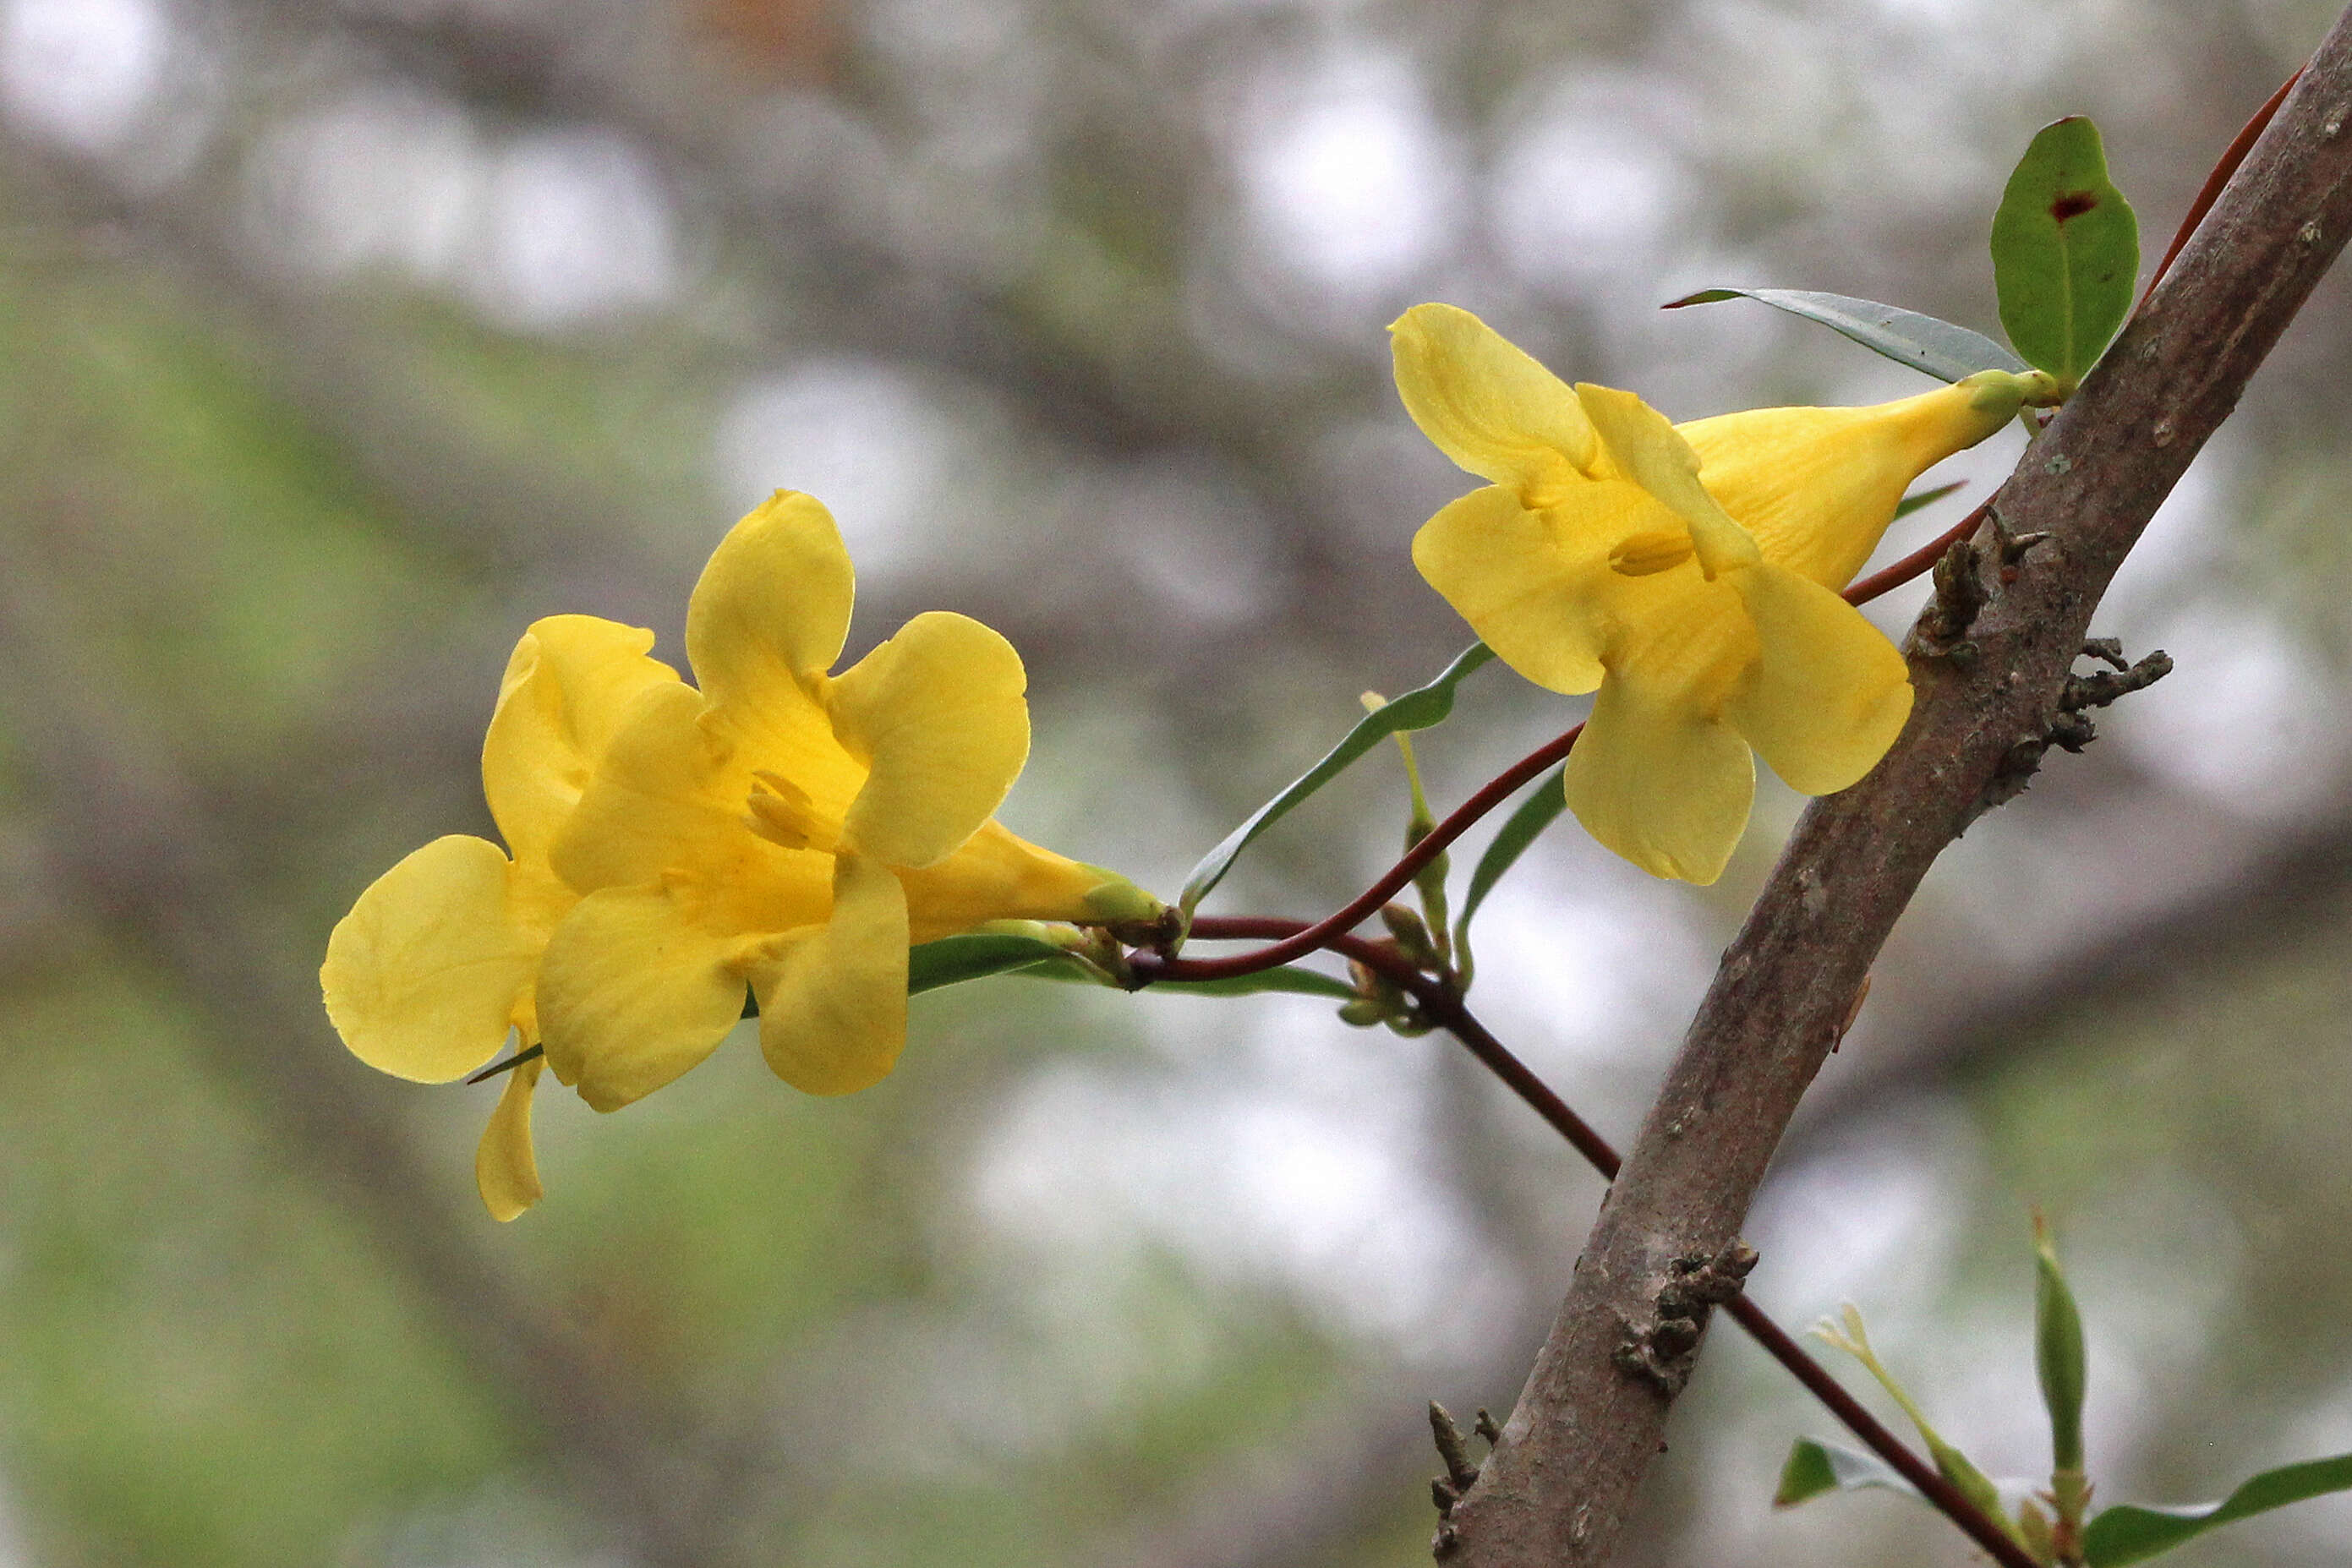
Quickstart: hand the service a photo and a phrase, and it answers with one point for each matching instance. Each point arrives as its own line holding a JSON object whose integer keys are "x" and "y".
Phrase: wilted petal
{"x": 570, "y": 680}
{"x": 832, "y": 1004}
{"x": 1489, "y": 406}
{"x": 630, "y": 994}
{"x": 940, "y": 713}
{"x": 1660, "y": 780}
{"x": 505, "y": 1168}
{"x": 422, "y": 977}
{"x": 1828, "y": 693}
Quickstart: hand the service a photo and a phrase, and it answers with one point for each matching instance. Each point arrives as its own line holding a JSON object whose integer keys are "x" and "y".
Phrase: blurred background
{"x": 343, "y": 338}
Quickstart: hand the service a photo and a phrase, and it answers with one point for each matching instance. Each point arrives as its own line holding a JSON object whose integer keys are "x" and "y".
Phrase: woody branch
{"x": 1591, "y": 1418}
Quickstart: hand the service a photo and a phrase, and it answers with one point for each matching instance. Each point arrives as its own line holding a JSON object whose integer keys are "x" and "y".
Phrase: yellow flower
{"x": 1690, "y": 572}
{"x": 437, "y": 959}
{"x": 793, "y": 832}
{"x": 782, "y": 828}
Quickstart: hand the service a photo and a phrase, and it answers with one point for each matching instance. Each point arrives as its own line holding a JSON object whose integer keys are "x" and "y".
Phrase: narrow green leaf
{"x": 1417, "y": 709}
{"x": 952, "y": 960}
{"x": 1919, "y": 498}
{"x": 2065, "y": 251}
{"x": 1923, "y": 342}
{"x": 1521, "y": 828}
{"x": 2058, "y": 1352}
{"x": 1815, "y": 1467}
{"x": 1288, "y": 978}
{"x": 2130, "y": 1533}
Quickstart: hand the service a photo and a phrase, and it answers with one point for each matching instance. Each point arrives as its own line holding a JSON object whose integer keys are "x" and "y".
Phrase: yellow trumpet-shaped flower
{"x": 439, "y": 958}
{"x": 792, "y": 831}
{"x": 1689, "y": 573}
{"x": 781, "y": 829}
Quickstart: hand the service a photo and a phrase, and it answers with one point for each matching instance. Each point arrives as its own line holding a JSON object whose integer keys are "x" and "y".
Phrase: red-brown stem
{"x": 1493, "y": 793}
{"x": 2232, "y": 156}
{"x": 1442, "y": 1006}
{"x": 1919, "y": 560}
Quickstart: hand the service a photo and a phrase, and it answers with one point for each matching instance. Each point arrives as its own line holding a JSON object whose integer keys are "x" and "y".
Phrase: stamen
{"x": 1640, "y": 555}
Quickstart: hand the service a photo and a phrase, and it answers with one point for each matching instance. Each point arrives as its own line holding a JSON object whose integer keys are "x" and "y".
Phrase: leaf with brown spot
{"x": 2065, "y": 251}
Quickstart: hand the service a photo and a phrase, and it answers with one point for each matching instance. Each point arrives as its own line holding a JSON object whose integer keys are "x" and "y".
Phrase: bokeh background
{"x": 339, "y": 340}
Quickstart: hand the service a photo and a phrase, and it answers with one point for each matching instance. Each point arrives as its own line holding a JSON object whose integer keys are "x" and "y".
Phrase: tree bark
{"x": 1562, "y": 1480}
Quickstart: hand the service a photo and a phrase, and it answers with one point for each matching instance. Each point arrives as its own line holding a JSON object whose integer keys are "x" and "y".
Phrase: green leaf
{"x": 1919, "y": 498}
{"x": 1923, "y": 342}
{"x": 2130, "y": 1533}
{"x": 952, "y": 960}
{"x": 1815, "y": 1467}
{"x": 1523, "y": 826}
{"x": 2065, "y": 251}
{"x": 1289, "y": 978}
{"x": 2058, "y": 1354}
{"x": 1417, "y": 709}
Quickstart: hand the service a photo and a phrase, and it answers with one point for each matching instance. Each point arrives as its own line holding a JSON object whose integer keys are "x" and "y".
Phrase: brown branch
{"x": 1561, "y": 1482}
{"x": 1441, "y": 1004}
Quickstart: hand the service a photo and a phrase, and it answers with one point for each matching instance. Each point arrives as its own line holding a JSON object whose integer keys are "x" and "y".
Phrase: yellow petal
{"x": 505, "y": 1169}
{"x": 1487, "y": 405}
{"x": 422, "y": 976}
{"x": 1817, "y": 486}
{"x": 938, "y": 711}
{"x": 1660, "y": 780}
{"x": 832, "y": 1004}
{"x": 569, "y": 682}
{"x": 630, "y": 994}
{"x": 667, "y": 790}
{"x": 1650, "y": 452}
{"x": 768, "y": 618}
{"x": 1533, "y": 585}
{"x": 998, "y": 875}
{"x": 1828, "y": 693}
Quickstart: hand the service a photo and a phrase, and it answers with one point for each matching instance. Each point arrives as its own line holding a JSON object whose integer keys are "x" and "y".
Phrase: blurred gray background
{"x": 341, "y": 339}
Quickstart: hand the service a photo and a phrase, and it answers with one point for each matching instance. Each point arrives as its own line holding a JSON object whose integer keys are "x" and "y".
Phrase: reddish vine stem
{"x": 1443, "y": 1005}
{"x": 2232, "y": 156}
{"x": 1307, "y": 938}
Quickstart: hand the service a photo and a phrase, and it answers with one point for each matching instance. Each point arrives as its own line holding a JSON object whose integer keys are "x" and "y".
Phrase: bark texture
{"x": 1592, "y": 1418}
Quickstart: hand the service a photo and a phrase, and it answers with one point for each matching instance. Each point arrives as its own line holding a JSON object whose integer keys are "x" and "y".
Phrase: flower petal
{"x": 1828, "y": 693}
{"x": 832, "y": 1004}
{"x": 772, "y": 606}
{"x": 630, "y": 994}
{"x": 1654, "y": 455}
{"x": 940, "y": 711}
{"x": 667, "y": 790}
{"x": 1487, "y": 405}
{"x": 505, "y": 1169}
{"x": 1537, "y": 586}
{"x": 1660, "y": 780}
{"x": 1817, "y": 486}
{"x": 569, "y": 682}
{"x": 424, "y": 976}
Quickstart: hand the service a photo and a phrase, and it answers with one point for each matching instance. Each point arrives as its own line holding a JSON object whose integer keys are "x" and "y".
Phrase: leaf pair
{"x": 2125, "y": 1533}
{"x": 2113, "y": 1537}
{"x": 2065, "y": 256}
